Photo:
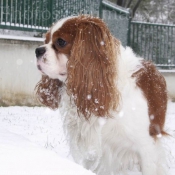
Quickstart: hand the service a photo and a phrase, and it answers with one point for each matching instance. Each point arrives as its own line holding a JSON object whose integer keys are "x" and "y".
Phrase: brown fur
{"x": 48, "y": 91}
{"x": 92, "y": 68}
{"x": 153, "y": 86}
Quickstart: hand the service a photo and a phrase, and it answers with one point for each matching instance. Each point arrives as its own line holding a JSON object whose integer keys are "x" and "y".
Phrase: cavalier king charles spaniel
{"x": 112, "y": 101}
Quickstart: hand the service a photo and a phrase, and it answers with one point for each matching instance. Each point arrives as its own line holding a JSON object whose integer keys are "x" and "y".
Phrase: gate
{"x": 154, "y": 42}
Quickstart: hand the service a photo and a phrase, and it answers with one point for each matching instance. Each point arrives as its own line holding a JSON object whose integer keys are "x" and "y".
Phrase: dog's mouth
{"x": 40, "y": 69}
{"x": 63, "y": 74}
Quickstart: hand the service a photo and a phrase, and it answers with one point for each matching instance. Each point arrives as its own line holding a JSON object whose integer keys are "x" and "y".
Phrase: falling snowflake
{"x": 159, "y": 135}
{"x": 152, "y": 117}
{"x": 89, "y": 97}
{"x": 102, "y": 43}
{"x": 96, "y": 101}
{"x": 121, "y": 113}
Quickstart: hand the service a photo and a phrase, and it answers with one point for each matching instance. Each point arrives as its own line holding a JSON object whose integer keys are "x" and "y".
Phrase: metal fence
{"x": 38, "y": 15}
{"x": 154, "y": 42}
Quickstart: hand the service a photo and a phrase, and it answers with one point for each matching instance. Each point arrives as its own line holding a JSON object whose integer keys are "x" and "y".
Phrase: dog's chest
{"x": 97, "y": 141}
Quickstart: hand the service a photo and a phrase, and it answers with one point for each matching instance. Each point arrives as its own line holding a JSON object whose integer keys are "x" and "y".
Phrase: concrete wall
{"x": 19, "y": 75}
{"x": 18, "y": 72}
{"x": 170, "y": 80}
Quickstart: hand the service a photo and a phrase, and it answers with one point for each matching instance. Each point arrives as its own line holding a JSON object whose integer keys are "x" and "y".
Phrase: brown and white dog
{"x": 114, "y": 103}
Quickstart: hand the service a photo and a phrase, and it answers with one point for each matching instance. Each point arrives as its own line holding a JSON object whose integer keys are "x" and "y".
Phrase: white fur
{"x": 112, "y": 146}
{"x": 52, "y": 64}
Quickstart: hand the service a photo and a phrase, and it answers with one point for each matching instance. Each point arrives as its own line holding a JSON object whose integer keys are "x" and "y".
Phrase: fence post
{"x": 129, "y": 28}
{"x": 51, "y": 12}
{"x": 101, "y": 9}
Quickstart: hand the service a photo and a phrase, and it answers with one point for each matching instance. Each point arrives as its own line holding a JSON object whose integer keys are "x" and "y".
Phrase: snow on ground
{"x": 32, "y": 143}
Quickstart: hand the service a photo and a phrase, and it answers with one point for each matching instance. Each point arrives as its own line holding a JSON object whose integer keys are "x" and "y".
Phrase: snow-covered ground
{"x": 32, "y": 143}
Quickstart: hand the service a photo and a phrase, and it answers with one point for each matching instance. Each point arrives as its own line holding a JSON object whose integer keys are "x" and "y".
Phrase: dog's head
{"x": 81, "y": 53}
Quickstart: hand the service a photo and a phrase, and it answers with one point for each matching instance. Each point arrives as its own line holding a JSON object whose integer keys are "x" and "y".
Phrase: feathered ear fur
{"x": 48, "y": 91}
{"x": 92, "y": 68}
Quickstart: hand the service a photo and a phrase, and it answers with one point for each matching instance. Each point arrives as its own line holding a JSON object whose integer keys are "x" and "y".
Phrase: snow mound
{"x": 18, "y": 156}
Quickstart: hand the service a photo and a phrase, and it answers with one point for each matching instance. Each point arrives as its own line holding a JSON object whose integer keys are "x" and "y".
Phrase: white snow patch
{"x": 159, "y": 135}
{"x": 121, "y": 113}
{"x": 151, "y": 117}
{"x": 21, "y": 128}
{"x": 32, "y": 142}
{"x": 89, "y": 97}
{"x": 96, "y": 101}
{"x": 102, "y": 43}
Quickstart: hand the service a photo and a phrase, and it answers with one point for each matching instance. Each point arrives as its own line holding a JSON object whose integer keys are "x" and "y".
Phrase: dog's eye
{"x": 61, "y": 42}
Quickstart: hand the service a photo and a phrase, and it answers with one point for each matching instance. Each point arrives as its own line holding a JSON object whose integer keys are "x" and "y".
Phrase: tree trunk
{"x": 136, "y": 6}
{"x": 120, "y": 2}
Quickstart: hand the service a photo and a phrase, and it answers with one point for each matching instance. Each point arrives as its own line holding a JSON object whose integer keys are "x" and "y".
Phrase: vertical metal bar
{"x": 36, "y": 13}
{"x": 14, "y": 12}
{"x": 149, "y": 42}
{"x": 172, "y": 37}
{"x": 141, "y": 37}
{"x": 42, "y": 13}
{"x": 168, "y": 51}
{"x": 28, "y": 15}
{"x": 146, "y": 39}
{"x": 129, "y": 30}
{"x": 173, "y": 56}
{"x": 161, "y": 50}
{"x": 11, "y": 6}
{"x": 164, "y": 40}
{"x": 133, "y": 37}
{"x": 137, "y": 29}
{"x": 51, "y": 12}
{"x": 23, "y": 9}
{"x": 0, "y": 12}
{"x": 31, "y": 12}
{"x": 153, "y": 48}
{"x": 159, "y": 43}
{"x": 101, "y": 9}
{"x": 6, "y": 7}
{"x": 157, "y": 47}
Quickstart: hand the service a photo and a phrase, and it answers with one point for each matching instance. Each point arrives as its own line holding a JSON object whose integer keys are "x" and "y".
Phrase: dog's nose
{"x": 40, "y": 51}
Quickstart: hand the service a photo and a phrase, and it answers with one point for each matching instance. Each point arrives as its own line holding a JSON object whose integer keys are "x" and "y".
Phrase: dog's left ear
{"x": 48, "y": 91}
{"x": 92, "y": 68}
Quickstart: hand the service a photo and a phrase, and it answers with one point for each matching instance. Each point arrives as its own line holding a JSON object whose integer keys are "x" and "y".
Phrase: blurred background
{"x": 147, "y": 26}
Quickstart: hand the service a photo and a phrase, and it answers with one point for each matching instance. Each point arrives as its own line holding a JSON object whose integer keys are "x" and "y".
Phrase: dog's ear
{"x": 92, "y": 68}
{"x": 48, "y": 91}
